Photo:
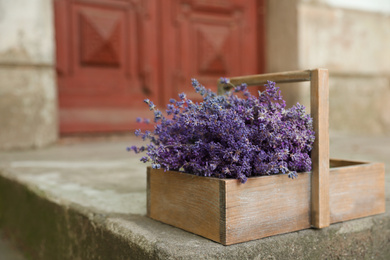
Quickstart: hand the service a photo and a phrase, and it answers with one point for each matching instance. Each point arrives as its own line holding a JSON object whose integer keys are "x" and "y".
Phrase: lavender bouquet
{"x": 230, "y": 137}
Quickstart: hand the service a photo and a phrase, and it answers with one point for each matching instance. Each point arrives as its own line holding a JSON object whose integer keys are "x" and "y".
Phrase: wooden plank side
{"x": 148, "y": 170}
{"x": 266, "y": 206}
{"x": 185, "y": 201}
{"x": 342, "y": 163}
{"x": 357, "y": 191}
{"x": 319, "y": 103}
{"x": 279, "y": 77}
{"x": 261, "y": 79}
{"x": 222, "y": 204}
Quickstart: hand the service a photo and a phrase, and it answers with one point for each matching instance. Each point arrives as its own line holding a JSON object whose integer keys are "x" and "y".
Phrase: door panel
{"x": 208, "y": 40}
{"x": 112, "y": 54}
{"x": 103, "y": 70}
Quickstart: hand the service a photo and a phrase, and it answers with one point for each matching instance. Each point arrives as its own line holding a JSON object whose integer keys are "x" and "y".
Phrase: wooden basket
{"x": 228, "y": 212}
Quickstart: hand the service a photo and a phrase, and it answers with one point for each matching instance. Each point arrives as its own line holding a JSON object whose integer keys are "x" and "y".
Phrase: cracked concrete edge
{"x": 45, "y": 228}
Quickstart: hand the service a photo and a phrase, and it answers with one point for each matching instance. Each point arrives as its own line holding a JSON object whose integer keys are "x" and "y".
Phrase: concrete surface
{"x": 8, "y": 251}
{"x": 351, "y": 44}
{"x": 28, "y": 107}
{"x": 28, "y": 91}
{"x": 339, "y": 40}
{"x": 87, "y": 200}
{"x": 29, "y": 29}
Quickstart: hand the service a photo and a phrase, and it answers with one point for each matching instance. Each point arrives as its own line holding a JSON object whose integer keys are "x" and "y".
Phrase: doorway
{"x": 112, "y": 54}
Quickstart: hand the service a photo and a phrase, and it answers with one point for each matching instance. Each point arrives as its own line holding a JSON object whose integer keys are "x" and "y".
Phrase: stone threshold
{"x": 88, "y": 201}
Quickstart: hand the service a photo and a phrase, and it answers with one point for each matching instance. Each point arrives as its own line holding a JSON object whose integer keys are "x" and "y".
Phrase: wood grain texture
{"x": 261, "y": 79}
{"x": 266, "y": 206}
{"x": 319, "y": 104}
{"x": 356, "y": 191}
{"x": 343, "y": 163}
{"x": 228, "y": 212}
{"x": 185, "y": 201}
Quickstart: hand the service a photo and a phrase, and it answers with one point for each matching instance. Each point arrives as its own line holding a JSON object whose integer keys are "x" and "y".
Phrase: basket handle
{"x": 319, "y": 105}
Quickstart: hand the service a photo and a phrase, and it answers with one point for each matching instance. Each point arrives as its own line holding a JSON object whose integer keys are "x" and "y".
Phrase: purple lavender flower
{"x": 230, "y": 137}
{"x": 241, "y": 88}
{"x": 144, "y": 159}
{"x": 182, "y": 96}
{"x": 224, "y": 80}
{"x": 138, "y": 132}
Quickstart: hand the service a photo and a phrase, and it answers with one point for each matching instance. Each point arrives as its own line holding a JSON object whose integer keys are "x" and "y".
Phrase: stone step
{"x": 8, "y": 250}
{"x": 87, "y": 200}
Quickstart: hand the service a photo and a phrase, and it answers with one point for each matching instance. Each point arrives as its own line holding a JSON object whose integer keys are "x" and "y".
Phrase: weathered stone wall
{"x": 302, "y": 34}
{"x": 28, "y": 99}
{"x": 352, "y": 44}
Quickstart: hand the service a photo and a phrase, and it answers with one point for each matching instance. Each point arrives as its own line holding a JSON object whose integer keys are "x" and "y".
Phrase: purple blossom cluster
{"x": 228, "y": 136}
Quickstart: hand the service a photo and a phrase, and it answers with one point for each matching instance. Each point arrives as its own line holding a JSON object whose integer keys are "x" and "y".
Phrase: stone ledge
{"x": 87, "y": 201}
{"x": 28, "y": 107}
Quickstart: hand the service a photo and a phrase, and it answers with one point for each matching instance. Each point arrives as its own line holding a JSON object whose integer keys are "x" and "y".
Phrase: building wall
{"x": 351, "y": 40}
{"x": 28, "y": 99}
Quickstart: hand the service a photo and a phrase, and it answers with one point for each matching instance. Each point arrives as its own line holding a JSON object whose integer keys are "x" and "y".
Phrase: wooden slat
{"x": 186, "y": 201}
{"x": 356, "y": 191}
{"x": 266, "y": 206}
{"x": 271, "y": 205}
{"x": 319, "y": 104}
{"x": 261, "y": 79}
{"x": 226, "y": 211}
{"x": 343, "y": 163}
{"x": 148, "y": 169}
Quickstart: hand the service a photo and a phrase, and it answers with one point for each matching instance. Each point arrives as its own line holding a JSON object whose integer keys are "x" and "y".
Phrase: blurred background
{"x": 76, "y": 67}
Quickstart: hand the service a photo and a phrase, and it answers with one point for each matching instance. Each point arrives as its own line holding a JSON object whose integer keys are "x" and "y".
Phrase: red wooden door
{"x": 209, "y": 39}
{"x": 112, "y": 54}
{"x": 105, "y": 63}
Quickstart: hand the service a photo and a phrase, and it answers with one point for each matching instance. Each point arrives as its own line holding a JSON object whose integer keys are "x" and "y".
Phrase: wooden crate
{"x": 229, "y": 212}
